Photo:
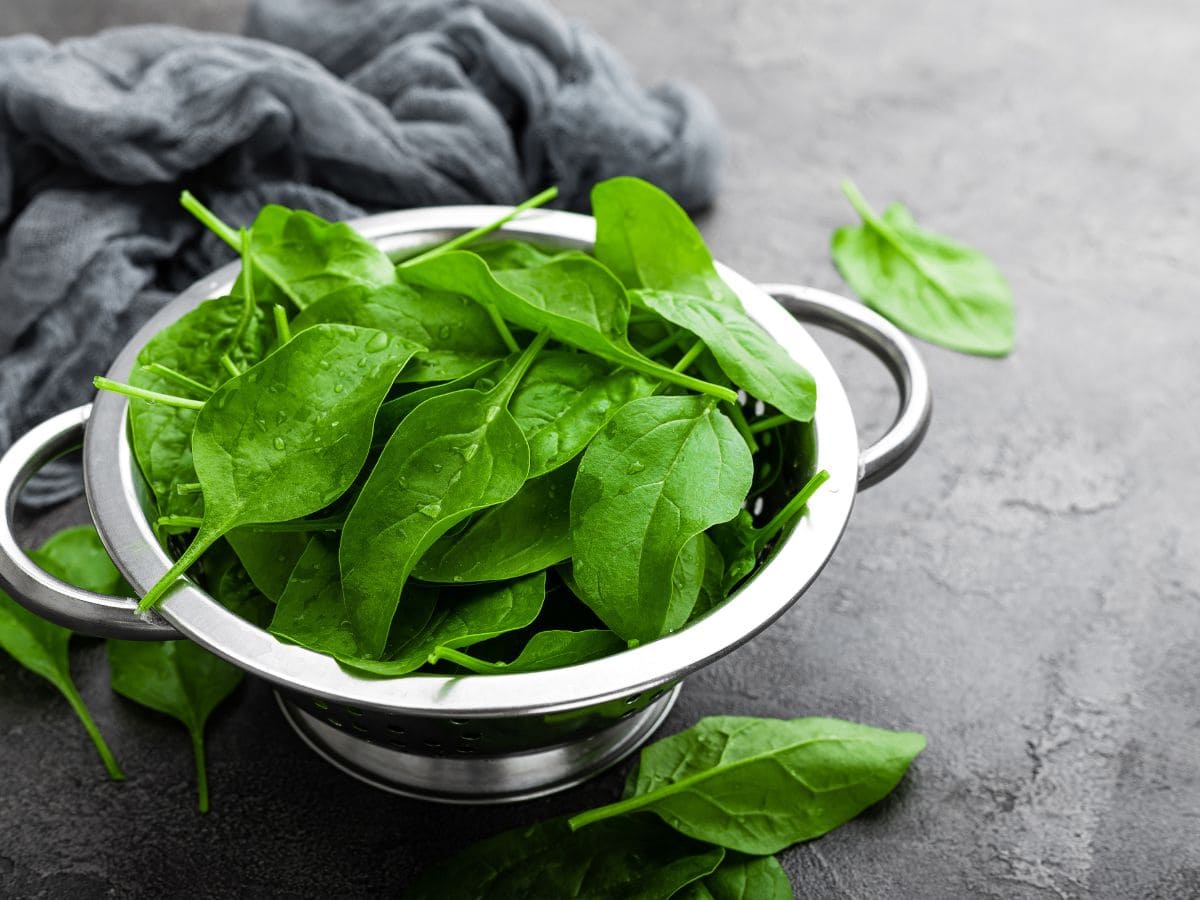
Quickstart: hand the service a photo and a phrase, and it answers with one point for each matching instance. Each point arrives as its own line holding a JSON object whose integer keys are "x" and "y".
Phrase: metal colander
{"x": 474, "y": 738}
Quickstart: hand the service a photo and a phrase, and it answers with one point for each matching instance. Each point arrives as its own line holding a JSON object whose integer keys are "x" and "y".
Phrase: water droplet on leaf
{"x": 278, "y": 443}
{"x": 377, "y": 343}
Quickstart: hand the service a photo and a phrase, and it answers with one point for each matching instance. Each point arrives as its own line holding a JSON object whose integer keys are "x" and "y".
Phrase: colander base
{"x": 507, "y": 778}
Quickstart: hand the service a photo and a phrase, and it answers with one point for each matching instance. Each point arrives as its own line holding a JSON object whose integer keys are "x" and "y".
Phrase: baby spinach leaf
{"x": 76, "y": 557}
{"x": 758, "y": 785}
{"x": 712, "y": 591}
{"x": 394, "y": 410}
{"x": 930, "y": 286}
{"x": 742, "y": 877}
{"x": 289, "y": 435}
{"x": 502, "y": 255}
{"x": 662, "y": 471}
{"x": 648, "y": 241}
{"x": 526, "y": 533}
{"x": 457, "y": 334}
{"x": 576, "y": 299}
{"x": 177, "y": 678}
{"x": 635, "y": 859}
{"x": 551, "y": 649}
{"x": 303, "y": 255}
{"x": 450, "y": 457}
{"x": 566, "y": 399}
{"x": 751, "y": 358}
{"x": 237, "y": 593}
{"x": 192, "y": 346}
{"x": 268, "y": 556}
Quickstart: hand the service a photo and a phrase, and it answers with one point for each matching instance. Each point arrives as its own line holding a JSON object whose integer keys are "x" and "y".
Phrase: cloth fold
{"x": 333, "y": 106}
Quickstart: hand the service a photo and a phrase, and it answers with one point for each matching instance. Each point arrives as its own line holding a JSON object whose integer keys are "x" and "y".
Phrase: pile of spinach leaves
{"x": 502, "y": 458}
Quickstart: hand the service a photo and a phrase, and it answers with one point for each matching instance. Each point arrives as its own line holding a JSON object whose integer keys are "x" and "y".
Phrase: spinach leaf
{"x": 648, "y": 241}
{"x": 394, "y": 410}
{"x": 508, "y": 254}
{"x": 288, "y": 436}
{"x": 457, "y": 334}
{"x": 550, "y": 649}
{"x": 576, "y": 299}
{"x": 303, "y": 255}
{"x": 635, "y": 859}
{"x": 565, "y": 399}
{"x": 76, "y": 557}
{"x": 268, "y": 556}
{"x": 237, "y": 593}
{"x": 712, "y": 591}
{"x": 526, "y": 533}
{"x": 450, "y": 457}
{"x": 191, "y": 346}
{"x": 742, "y": 878}
{"x": 177, "y": 678}
{"x": 930, "y": 286}
{"x": 311, "y": 613}
{"x": 758, "y": 785}
{"x": 751, "y": 358}
{"x": 662, "y": 471}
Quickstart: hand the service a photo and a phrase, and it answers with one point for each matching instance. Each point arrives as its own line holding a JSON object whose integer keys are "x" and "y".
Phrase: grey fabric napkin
{"x": 333, "y": 106}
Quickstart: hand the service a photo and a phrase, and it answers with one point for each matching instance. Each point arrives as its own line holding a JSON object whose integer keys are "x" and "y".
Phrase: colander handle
{"x": 35, "y": 589}
{"x": 893, "y": 348}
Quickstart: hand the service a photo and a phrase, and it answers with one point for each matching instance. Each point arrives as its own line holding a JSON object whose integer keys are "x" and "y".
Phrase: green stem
{"x": 467, "y": 237}
{"x": 179, "y": 378}
{"x": 764, "y": 535}
{"x": 687, "y": 381}
{"x": 230, "y": 366}
{"x": 508, "y": 383}
{"x": 209, "y": 219}
{"x": 739, "y": 422}
{"x": 107, "y": 384}
{"x": 247, "y": 291}
{"x": 770, "y": 422}
{"x": 502, "y": 328}
{"x": 204, "y": 539}
{"x": 654, "y": 350}
{"x": 201, "y": 769}
{"x": 471, "y": 663}
{"x": 110, "y": 763}
{"x": 283, "y": 330}
{"x": 189, "y": 487}
{"x": 689, "y": 357}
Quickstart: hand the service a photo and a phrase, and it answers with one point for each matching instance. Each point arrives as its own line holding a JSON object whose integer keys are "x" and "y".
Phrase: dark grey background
{"x": 1026, "y": 591}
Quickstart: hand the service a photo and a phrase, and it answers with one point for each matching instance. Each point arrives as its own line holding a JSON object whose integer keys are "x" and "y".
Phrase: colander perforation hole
{"x": 336, "y": 723}
{"x": 398, "y": 745}
{"x": 355, "y": 711}
{"x": 471, "y": 736}
{"x": 629, "y": 701}
{"x": 464, "y": 751}
{"x": 433, "y": 745}
{"x": 361, "y": 729}
{"x": 320, "y": 705}
{"x": 396, "y": 730}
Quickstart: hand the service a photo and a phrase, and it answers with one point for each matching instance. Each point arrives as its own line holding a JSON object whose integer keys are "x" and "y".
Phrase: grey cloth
{"x": 333, "y": 106}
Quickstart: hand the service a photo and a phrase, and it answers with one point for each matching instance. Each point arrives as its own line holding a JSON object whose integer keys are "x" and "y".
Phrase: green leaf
{"x": 635, "y": 859}
{"x": 393, "y": 411}
{"x": 551, "y": 649}
{"x": 450, "y": 457}
{"x": 564, "y": 401}
{"x": 759, "y": 785}
{"x": 662, "y": 471}
{"x": 177, "y": 678}
{"x": 289, "y": 435}
{"x": 752, "y": 359}
{"x": 647, "y": 239}
{"x": 743, "y": 878}
{"x": 503, "y": 255}
{"x": 526, "y": 533}
{"x": 930, "y": 286}
{"x": 311, "y": 613}
{"x": 268, "y": 556}
{"x": 712, "y": 591}
{"x": 457, "y": 334}
{"x": 77, "y": 557}
{"x": 576, "y": 299}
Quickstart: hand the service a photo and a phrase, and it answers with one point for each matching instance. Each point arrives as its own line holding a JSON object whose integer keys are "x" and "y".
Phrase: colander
{"x": 475, "y": 738}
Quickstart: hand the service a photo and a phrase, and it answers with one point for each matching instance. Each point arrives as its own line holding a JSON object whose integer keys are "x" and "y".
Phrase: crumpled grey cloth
{"x": 334, "y": 106}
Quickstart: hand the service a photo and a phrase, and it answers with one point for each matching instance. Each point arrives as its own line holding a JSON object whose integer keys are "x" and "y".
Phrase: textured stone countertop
{"x": 1026, "y": 591}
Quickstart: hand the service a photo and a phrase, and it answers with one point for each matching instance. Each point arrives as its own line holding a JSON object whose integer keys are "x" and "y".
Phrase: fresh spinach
{"x": 551, "y": 649}
{"x": 76, "y": 557}
{"x": 929, "y": 285}
{"x": 759, "y": 785}
{"x": 268, "y": 556}
{"x": 742, "y": 877}
{"x": 288, "y": 436}
{"x": 394, "y": 410}
{"x": 637, "y": 501}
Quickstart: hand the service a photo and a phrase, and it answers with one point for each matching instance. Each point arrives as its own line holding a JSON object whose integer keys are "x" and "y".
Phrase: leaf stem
{"x": 764, "y": 535}
{"x": 888, "y": 233}
{"x": 462, "y": 240}
{"x": 283, "y": 331}
{"x": 739, "y": 422}
{"x": 665, "y": 344}
{"x": 687, "y": 381}
{"x": 502, "y": 328}
{"x": 204, "y": 539}
{"x": 179, "y": 378}
{"x": 73, "y": 697}
{"x": 770, "y": 422}
{"x": 689, "y": 357}
{"x": 209, "y": 219}
{"x": 107, "y": 384}
{"x": 229, "y": 365}
{"x": 197, "y": 735}
{"x": 508, "y": 383}
{"x": 471, "y": 663}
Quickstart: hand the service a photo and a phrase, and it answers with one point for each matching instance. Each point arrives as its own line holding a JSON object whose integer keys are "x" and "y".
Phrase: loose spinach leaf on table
{"x": 457, "y": 334}
{"x": 77, "y": 557}
{"x": 742, "y": 877}
{"x": 929, "y": 285}
{"x": 450, "y": 457}
{"x": 311, "y": 613}
{"x": 177, "y": 678}
{"x": 564, "y": 401}
{"x": 634, "y": 859}
{"x": 576, "y": 300}
{"x": 662, "y": 471}
{"x": 551, "y": 649}
{"x": 288, "y": 436}
{"x": 758, "y": 785}
{"x": 526, "y": 533}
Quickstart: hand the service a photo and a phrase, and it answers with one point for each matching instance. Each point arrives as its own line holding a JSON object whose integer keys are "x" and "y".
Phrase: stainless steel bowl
{"x": 476, "y": 738}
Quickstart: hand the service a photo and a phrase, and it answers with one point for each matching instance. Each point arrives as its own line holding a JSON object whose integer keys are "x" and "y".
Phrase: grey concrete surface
{"x": 1026, "y": 591}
